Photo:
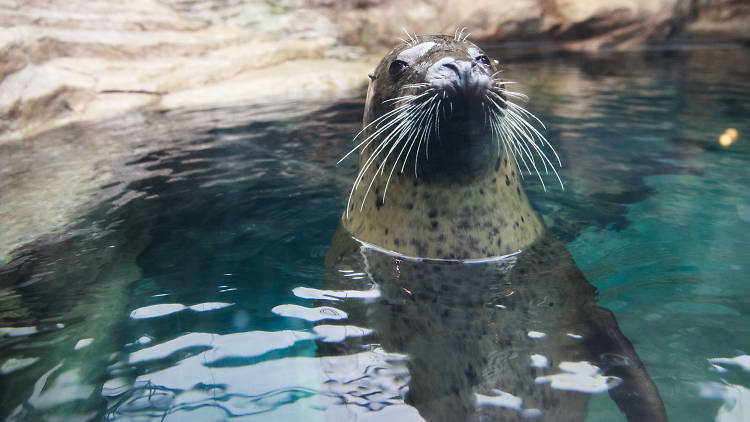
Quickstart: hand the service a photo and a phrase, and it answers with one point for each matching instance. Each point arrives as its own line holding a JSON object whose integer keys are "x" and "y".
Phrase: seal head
{"x": 441, "y": 153}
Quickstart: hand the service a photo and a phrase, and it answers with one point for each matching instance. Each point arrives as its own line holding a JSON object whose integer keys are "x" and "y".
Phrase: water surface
{"x": 176, "y": 292}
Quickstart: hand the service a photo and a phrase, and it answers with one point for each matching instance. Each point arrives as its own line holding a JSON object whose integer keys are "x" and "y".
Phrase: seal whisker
{"x": 388, "y": 140}
{"x": 362, "y": 172}
{"x": 367, "y": 141}
{"x": 491, "y": 119}
{"x": 521, "y": 151}
{"x": 460, "y": 34}
{"x": 500, "y": 96}
{"x": 518, "y": 151}
{"x": 399, "y": 121}
{"x": 417, "y": 135}
{"x": 395, "y": 163}
{"x": 380, "y": 119}
{"x": 419, "y": 129}
{"x": 513, "y": 117}
{"x": 536, "y": 132}
{"x": 521, "y": 127}
{"x": 408, "y": 36}
{"x": 527, "y": 133}
{"x": 500, "y": 86}
{"x": 417, "y": 85}
{"x": 409, "y": 121}
{"x": 394, "y": 114}
{"x": 522, "y": 132}
{"x": 531, "y": 130}
{"x": 422, "y": 136}
{"x": 524, "y": 140}
{"x": 431, "y": 123}
{"x": 509, "y": 139}
{"x": 514, "y": 94}
{"x": 407, "y": 132}
{"x": 437, "y": 118}
{"x": 511, "y": 150}
{"x": 526, "y": 113}
{"x": 410, "y": 97}
{"x": 411, "y": 146}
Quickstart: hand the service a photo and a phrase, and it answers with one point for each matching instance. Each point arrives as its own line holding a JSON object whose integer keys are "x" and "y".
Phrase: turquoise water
{"x": 170, "y": 297}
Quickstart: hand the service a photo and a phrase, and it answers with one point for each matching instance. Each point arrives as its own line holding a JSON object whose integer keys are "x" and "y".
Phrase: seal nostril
{"x": 460, "y": 79}
{"x": 452, "y": 66}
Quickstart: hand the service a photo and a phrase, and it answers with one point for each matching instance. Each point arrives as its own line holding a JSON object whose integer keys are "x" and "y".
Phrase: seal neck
{"x": 477, "y": 215}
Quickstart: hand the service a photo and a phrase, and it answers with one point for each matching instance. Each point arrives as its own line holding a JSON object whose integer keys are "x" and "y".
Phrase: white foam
{"x": 536, "y": 334}
{"x": 209, "y": 306}
{"x": 163, "y": 309}
{"x": 539, "y": 361}
{"x": 113, "y": 387}
{"x": 736, "y": 398}
{"x": 13, "y": 364}
{"x": 743, "y": 361}
{"x": 309, "y": 314}
{"x": 235, "y": 345}
{"x": 580, "y": 376}
{"x": 84, "y": 342}
{"x": 311, "y": 293}
{"x": 154, "y": 311}
{"x": 338, "y": 333}
{"x": 507, "y": 401}
{"x": 502, "y": 399}
{"x": 17, "y": 331}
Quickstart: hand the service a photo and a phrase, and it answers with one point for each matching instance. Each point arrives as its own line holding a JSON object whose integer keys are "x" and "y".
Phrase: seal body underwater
{"x": 490, "y": 314}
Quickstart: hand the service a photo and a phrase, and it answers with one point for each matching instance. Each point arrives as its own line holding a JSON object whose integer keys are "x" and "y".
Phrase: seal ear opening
{"x": 371, "y": 75}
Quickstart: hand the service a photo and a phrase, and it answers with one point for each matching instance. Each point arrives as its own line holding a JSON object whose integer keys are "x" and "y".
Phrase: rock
{"x": 79, "y": 60}
{"x": 83, "y": 60}
{"x": 722, "y": 20}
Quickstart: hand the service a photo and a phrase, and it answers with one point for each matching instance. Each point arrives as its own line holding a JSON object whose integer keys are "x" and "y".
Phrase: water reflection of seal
{"x": 439, "y": 168}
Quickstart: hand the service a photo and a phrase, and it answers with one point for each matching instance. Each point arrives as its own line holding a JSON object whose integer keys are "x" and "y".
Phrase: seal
{"x": 475, "y": 311}
{"x": 441, "y": 155}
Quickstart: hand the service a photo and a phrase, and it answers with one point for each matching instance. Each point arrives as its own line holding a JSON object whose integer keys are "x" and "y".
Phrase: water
{"x": 176, "y": 291}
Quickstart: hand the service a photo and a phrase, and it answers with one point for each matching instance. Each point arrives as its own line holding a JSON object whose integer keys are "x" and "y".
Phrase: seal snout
{"x": 460, "y": 80}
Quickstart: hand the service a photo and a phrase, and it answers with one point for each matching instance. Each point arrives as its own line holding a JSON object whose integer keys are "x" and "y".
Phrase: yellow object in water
{"x": 728, "y": 137}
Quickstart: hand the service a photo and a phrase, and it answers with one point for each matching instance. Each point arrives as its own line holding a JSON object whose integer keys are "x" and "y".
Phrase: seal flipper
{"x": 611, "y": 351}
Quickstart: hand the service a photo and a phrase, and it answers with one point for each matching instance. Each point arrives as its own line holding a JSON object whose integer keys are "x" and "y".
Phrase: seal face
{"x": 441, "y": 152}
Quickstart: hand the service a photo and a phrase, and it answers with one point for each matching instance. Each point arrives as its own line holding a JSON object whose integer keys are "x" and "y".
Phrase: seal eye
{"x": 397, "y": 66}
{"x": 484, "y": 60}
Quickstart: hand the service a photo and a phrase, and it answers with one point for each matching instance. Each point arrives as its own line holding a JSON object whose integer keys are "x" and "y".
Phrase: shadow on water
{"x": 156, "y": 302}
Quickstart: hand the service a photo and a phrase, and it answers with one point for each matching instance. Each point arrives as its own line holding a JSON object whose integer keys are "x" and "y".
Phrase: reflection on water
{"x": 192, "y": 284}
